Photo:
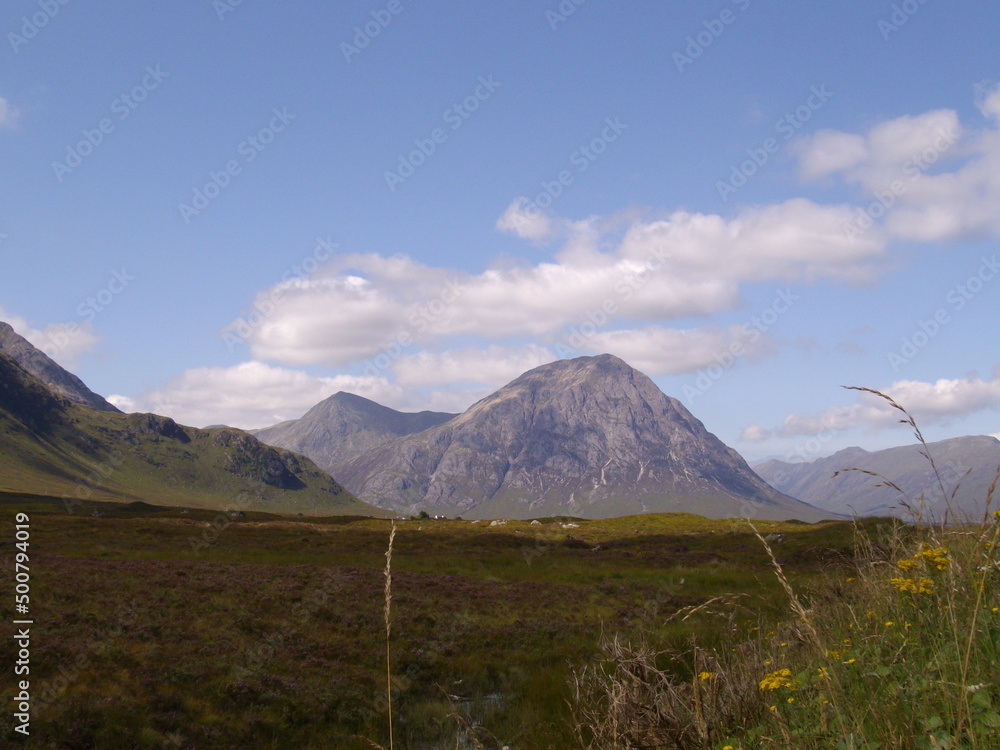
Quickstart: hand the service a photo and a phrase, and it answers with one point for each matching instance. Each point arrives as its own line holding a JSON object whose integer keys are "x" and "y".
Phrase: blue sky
{"x": 227, "y": 211}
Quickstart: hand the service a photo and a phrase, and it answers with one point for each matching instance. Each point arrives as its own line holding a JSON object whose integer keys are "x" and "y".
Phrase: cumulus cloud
{"x": 666, "y": 351}
{"x": 754, "y": 434}
{"x": 931, "y": 178}
{"x": 249, "y": 395}
{"x": 829, "y": 152}
{"x": 66, "y": 343}
{"x": 361, "y": 307}
{"x": 795, "y": 240}
{"x": 492, "y": 366}
{"x": 939, "y": 402}
{"x": 524, "y": 220}
{"x": 9, "y": 114}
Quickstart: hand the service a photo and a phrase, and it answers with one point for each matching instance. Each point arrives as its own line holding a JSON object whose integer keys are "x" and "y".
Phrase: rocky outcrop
{"x": 247, "y": 457}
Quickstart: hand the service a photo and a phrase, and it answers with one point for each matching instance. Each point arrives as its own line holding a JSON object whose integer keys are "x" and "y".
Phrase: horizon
{"x": 235, "y": 210}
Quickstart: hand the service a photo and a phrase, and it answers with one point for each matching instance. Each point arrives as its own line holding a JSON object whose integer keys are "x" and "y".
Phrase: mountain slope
{"x": 588, "y": 437}
{"x": 855, "y": 492}
{"x": 344, "y": 426}
{"x": 48, "y": 370}
{"x": 52, "y": 446}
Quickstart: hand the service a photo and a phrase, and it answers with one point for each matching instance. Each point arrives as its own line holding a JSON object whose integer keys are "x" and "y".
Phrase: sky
{"x": 227, "y": 210}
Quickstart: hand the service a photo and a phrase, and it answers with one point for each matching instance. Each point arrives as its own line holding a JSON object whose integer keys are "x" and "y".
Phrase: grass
{"x": 901, "y": 651}
{"x": 273, "y": 634}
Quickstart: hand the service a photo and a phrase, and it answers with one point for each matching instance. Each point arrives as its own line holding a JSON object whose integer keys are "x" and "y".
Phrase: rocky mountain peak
{"x": 586, "y": 436}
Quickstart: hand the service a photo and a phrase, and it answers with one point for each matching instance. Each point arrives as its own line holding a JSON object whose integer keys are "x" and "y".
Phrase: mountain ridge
{"x": 53, "y": 446}
{"x": 969, "y": 463}
{"x": 50, "y": 372}
{"x": 345, "y": 425}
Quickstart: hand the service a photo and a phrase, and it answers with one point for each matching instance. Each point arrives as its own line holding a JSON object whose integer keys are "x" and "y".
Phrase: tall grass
{"x": 903, "y": 653}
{"x": 388, "y": 628}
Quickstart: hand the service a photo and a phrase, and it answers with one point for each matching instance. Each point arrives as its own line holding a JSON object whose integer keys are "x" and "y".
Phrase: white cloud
{"x": 9, "y": 114}
{"x": 522, "y": 219}
{"x": 359, "y": 307}
{"x": 493, "y": 366}
{"x": 988, "y": 101}
{"x": 66, "y": 343}
{"x": 754, "y": 434}
{"x": 828, "y": 152}
{"x": 930, "y": 403}
{"x": 794, "y": 240}
{"x": 249, "y": 395}
{"x": 665, "y": 351}
{"x": 933, "y": 179}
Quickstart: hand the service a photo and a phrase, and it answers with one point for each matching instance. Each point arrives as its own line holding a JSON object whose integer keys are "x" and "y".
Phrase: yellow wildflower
{"x": 703, "y": 676}
{"x": 778, "y": 679}
{"x": 914, "y": 586}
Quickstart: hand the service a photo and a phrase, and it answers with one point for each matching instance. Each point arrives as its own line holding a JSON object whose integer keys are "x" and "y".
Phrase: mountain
{"x": 344, "y": 426}
{"x": 48, "y": 371}
{"x": 587, "y": 437}
{"x": 854, "y": 492}
{"x": 51, "y": 446}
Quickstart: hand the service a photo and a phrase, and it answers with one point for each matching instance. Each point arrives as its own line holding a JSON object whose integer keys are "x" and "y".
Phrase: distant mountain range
{"x": 966, "y": 463}
{"x": 587, "y": 437}
{"x": 53, "y": 446}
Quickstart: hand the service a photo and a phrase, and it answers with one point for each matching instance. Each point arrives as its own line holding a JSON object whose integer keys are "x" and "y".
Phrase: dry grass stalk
{"x": 388, "y": 627}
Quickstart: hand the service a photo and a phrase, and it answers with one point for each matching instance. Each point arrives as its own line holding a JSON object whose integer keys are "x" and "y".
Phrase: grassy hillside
{"x": 50, "y": 446}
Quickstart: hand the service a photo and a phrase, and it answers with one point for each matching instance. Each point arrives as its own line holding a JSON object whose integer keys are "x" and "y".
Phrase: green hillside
{"x": 50, "y": 446}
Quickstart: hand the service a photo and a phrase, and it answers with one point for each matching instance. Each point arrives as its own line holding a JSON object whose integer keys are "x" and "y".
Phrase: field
{"x": 159, "y": 627}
